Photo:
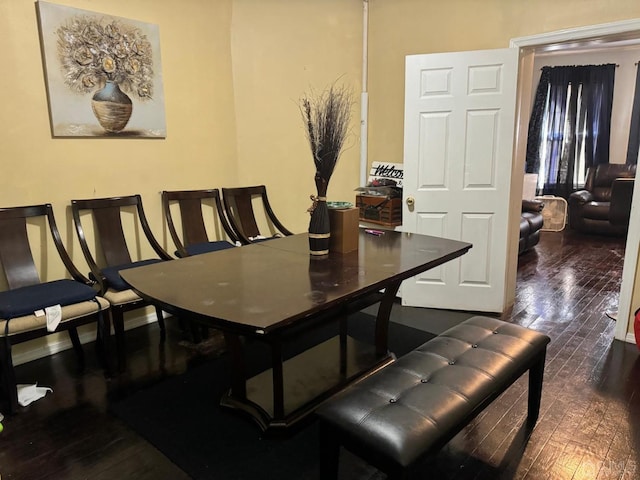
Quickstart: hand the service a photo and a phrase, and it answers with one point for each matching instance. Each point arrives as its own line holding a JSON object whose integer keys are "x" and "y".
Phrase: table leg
{"x": 239, "y": 369}
{"x": 382, "y": 320}
{"x": 278, "y": 379}
{"x": 343, "y": 344}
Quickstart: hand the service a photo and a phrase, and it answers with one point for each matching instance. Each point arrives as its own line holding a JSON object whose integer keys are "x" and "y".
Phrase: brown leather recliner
{"x": 604, "y": 205}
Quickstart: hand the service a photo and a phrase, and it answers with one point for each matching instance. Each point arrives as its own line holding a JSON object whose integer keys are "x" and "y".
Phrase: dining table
{"x": 275, "y": 292}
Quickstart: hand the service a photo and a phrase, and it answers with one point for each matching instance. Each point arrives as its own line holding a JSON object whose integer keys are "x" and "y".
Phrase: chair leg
{"x": 8, "y": 376}
{"x": 77, "y": 347}
{"x": 204, "y": 332}
{"x": 196, "y": 334}
{"x": 103, "y": 335}
{"x": 163, "y": 331}
{"x": 117, "y": 318}
{"x": 536, "y": 375}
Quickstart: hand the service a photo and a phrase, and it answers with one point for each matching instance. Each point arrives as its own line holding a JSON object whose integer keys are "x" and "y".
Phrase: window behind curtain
{"x": 570, "y": 126}
{"x": 555, "y": 136}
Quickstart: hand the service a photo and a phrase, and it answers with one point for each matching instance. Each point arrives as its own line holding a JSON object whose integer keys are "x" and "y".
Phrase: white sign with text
{"x": 386, "y": 171}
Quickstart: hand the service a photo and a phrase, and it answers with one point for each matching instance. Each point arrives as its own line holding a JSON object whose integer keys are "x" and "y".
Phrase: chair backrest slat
{"x": 111, "y": 236}
{"x": 15, "y": 253}
{"x": 193, "y": 229}
{"x": 242, "y": 206}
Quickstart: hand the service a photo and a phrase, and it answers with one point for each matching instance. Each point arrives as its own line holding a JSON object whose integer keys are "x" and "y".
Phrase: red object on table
{"x": 636, "y": 327}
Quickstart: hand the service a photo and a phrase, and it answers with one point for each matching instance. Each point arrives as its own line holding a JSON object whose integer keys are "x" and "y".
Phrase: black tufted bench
{"x": 411, "y": 408}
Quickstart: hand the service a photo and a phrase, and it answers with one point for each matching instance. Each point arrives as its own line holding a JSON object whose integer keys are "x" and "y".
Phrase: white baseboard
{"x": 631, "y": 338}
{"x": 43, "y": 347}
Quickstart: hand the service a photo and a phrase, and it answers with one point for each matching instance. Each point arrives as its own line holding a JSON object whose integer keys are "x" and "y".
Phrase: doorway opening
{"x": 624, "y": 35}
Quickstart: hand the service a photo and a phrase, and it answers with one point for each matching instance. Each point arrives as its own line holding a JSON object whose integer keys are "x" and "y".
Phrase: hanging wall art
{"x": 104, "y": 76}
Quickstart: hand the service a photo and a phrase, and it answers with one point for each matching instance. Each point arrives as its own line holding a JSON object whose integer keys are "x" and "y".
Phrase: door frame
{"x": 628, "y": 30}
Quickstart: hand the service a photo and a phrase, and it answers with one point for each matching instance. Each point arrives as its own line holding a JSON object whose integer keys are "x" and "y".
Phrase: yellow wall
{"x": 281, "y": 51}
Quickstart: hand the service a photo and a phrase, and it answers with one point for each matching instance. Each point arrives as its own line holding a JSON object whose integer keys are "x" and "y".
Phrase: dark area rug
{"x": 181, "y": 417}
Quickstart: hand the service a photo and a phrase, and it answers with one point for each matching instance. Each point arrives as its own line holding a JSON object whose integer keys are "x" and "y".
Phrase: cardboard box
{"x": 344, "y": 229}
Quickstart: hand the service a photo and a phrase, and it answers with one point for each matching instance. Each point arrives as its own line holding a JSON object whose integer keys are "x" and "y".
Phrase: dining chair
{"x": 195, "y": 239}
{"x": 112, "y": 253}
{"x": 239, "y": 207}
{"x": 32, "y": 304}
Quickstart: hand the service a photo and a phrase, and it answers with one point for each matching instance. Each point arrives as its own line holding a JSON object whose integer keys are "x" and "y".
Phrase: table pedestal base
{"x": 309, "y": 378}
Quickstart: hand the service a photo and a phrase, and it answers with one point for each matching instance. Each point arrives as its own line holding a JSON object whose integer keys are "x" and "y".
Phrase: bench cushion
{"x": 406, "y": 409}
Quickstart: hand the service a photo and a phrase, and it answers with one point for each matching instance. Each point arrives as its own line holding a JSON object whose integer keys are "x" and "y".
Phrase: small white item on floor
{"x": 28, "y": 394}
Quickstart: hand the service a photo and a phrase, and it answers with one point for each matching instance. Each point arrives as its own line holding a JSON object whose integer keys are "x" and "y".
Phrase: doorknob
{"x": 410, "y": 202}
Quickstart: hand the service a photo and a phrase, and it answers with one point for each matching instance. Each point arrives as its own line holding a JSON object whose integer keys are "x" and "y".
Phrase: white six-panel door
{"x": 458, "y": 150}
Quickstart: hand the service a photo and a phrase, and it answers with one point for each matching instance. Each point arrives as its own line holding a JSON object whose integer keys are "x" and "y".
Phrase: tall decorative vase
{"x": 319, "y": 233}
{"x": 112, "y": 107}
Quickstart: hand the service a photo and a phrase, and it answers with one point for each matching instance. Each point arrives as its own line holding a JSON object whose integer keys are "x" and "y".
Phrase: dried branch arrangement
{"x": 326, "y": 118}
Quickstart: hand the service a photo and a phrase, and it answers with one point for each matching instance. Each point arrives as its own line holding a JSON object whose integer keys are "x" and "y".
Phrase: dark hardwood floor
{"x": 589, "y": 426}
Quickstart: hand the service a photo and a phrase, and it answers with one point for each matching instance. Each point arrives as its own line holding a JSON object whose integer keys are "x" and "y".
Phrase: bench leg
{"x": 329, "y": 452}
{"x": 536, "y": 374}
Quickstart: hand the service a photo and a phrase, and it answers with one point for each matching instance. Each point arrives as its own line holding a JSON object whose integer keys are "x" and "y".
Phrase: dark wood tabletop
{"x": 259, "y": 288}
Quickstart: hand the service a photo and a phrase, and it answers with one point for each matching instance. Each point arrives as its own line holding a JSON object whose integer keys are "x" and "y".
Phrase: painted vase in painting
{"x": 112, "y": 107}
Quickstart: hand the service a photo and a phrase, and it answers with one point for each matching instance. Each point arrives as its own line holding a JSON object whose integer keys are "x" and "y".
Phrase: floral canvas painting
{"x": 104, "y": 76}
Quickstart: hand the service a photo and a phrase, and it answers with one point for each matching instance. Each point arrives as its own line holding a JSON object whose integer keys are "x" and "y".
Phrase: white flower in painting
{"x": 93, "y": 50}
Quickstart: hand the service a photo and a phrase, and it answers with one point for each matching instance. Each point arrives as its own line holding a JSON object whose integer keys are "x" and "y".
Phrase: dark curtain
{"x": 598, "y": 98}
{"x": 561, "y": 131}
{"x": 572, "y": 109}
{"x": 536, "y": 121}
{"x": 634, "y": 131}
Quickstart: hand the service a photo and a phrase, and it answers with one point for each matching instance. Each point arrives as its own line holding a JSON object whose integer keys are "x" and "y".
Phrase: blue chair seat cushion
{"x": 26, "y": 300}
{"x": 206, "y": 247}
{"x": 112, "y": 274}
